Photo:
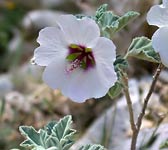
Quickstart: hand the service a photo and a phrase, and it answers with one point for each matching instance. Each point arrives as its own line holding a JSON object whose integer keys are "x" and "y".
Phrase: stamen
{"x": 79, "y": 57}
{"x": 72, "y": 66}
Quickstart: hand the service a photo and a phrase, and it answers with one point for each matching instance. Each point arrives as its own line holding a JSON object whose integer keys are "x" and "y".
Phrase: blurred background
{"x": 24, "y": 98}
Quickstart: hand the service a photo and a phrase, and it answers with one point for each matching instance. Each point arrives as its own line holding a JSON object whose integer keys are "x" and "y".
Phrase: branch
{"x": 146, "y": 100}
{"x": 129, "y": 102}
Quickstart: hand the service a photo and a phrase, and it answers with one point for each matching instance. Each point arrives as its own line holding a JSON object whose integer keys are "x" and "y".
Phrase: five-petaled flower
{"x": 158, "y": 16}
{"x": 78, "y": 61}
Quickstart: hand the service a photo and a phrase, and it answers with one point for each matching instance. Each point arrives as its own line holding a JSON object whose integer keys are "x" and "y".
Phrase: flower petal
{"x": 160, "y": 44}
{"x": 54, "y": 74}
{"x": 157, "y": 15}
{"x": 105, "y": 54}
{"x": 96, "y": 81}
{"x": 79, "y": 85}
{"x": 78, "y": 31}
{"x": 51, "y": 36}
{"x": 52, "y": 45}
{"x": 44, "y": 55}
{"x": 165, "y": 3}
{"x": 104, "y": 51}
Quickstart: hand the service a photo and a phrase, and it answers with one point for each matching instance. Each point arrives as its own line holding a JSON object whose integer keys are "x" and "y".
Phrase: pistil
{"x": 79, "y": 57}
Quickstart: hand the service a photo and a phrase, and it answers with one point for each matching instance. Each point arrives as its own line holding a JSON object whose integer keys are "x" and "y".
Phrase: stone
{"x": 31, "y": 71}
{"x": 145, "y": 135}
{"x": 19, "y": 101}
{"x": 6, "y": 84}
{"x": 53, "y": 3}
{"x": 39, "y": 19}
{"x": 164, "y": 76}
{"x": 15, "y": 42}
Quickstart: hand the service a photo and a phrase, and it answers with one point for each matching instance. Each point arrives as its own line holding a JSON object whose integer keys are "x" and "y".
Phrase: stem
{"x": 146, "y": 100}
{"x": 129, "y": 102}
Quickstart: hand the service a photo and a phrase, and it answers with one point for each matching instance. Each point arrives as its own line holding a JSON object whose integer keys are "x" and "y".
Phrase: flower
{"x": 78, "y": 61}
{"x": 158, "y": 16}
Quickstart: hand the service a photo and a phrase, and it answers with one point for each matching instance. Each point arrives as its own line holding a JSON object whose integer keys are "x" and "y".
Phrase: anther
{"x": 72, "y": 66}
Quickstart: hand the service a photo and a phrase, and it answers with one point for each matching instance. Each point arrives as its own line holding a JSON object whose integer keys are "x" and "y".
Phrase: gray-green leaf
{"x": 92, "y": 147}
{"x": 115, "y": 90}
{"x": 54, "y": 136}
{"x": 111, "y": 23}
{"x": 120, "y": 63}
{"x": 50, "y": 126}
{"x": 141, "y": 47}
{"x": 100, "y": 11}
{"x": 62, "y": 130}
{"x": 34, "y": 138}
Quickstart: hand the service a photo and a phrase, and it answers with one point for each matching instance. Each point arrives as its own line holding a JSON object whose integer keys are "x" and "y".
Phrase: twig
{"x": 146, "y": 100}
{"x": 129, "y": 102}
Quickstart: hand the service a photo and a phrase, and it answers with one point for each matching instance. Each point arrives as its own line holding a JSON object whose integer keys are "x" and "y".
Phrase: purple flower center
{"x": 80, "y": 56}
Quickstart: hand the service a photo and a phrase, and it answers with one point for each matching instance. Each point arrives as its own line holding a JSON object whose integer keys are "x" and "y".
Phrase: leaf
{"x": 39, "y": 148}
{"x": 80, "y": 16}
{"x": 111, "y": 23}
{"x": 52, "y": 148}
{"x": 92, "y": 147}
{"x": 108, "y": 23}
{"x": 31, "y": 134}
{"x": 62, "y": 130}
{"x": 120, "y": 63}
{"x": 34, "y": 138}
{"x": 100, "y": 11}
{"x": 27, "y": 143}
{"x": 49, "y": 127}
{"x": 141, "y": 48}
{"x": 54, "y": 136}
{"x": 126, "y": 18}
{"x": 115, "y": 90}
{"x": 53, "y": 142}
{"x": 164, "y": 144}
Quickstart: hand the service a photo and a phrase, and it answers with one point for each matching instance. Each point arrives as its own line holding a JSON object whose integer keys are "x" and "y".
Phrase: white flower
{"x": 78, "y": 61}
{"x": 158, "y": 16}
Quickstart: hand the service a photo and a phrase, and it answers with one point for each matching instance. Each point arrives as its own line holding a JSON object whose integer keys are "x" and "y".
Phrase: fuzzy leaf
{"x": 141, "y": 47}
{"x": 50, "y": 126}
{"x": 92, "y": 147}
{"x": 100, "y": 11}
{"x": 54, "y": 136}
{"x": 27, "y": 143}
{"x": 34, "y": 138}
{"x": 111, "y": 23}
{"x": 62, "y": 130}
{"x": 120, "y": 63}
{"x": 125, "y": 19}
{"x": 80, "y": 16}
{"x": 39, "y": 148}
{"x": 52, "y": 148}
{"x": 115, "y": 90}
